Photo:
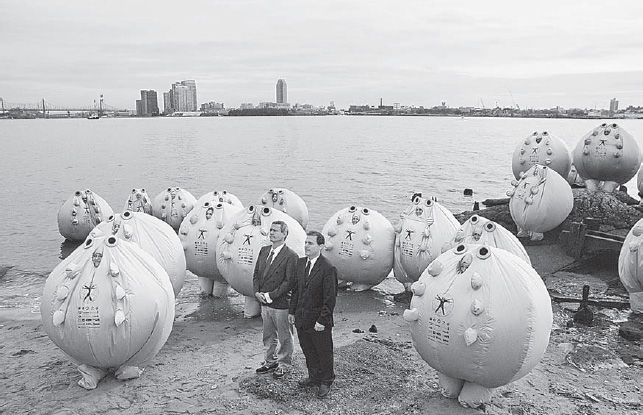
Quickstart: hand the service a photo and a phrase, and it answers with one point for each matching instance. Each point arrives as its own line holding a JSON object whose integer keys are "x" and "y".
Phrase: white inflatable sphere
{"x": 630, "y": 266}
{"x": 173, "y": 205}
{"x": 154, "y": 236}
{"x": 639, "y": 182}
{"x": 288, "y": 202}
{"x": 482, "y": 231}
{"x": 481, "y": 317}
{"x": 199, "y": 234}
{"x": 424, "y": 227}
{"x": 607, "y": 154}
{"x": 544, "y": 149}
{"x": 541, "y": 200}
{"x": 219, "y": 196}
{"x": 109, "y": 304}
{"x": 138, "y": 201}
{"x": 243, "y": 236}
{"x": 80, "y": 213}
{"x": 360, "y": 244}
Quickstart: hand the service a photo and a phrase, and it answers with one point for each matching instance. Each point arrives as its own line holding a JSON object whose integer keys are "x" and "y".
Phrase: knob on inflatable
{"x": 540, "y": 201}
{"x": 481, "y": 317}
{"x": 240, "y": 241}
{"x": 108, "y": 305}
{"x": 80, "y": 213}
{"x": 424, "y": 227}
{"x": 288, "y": 202}
{"x": 544, "y": 149}
{"x": 359, "y": 243}
{"x": 138, "y": 201}
{"x": 607, "y": 157}
{"x": 199, "y": 234}
{"x": 630, "y": 266}
{"x": 154, "y": 236}
{"x": 172, "y": 206}
{"x": 482, "y": 231}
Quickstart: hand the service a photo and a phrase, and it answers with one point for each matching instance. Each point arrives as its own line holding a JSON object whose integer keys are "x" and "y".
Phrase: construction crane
{"x": 512, "y": 99}
{"x": 482, "y": 103}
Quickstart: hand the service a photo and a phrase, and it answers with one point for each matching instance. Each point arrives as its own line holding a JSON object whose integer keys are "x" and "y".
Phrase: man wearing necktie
{"x": 272, "y": 280}
{"x": 311, "y": 311}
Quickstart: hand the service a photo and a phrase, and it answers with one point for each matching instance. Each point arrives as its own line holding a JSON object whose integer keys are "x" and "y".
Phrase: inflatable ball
{"x": 359, "y": 243}
{"x": 173, "y": 205}
{"x": 607, "y": 157}
{"x": 219, "y": 196}
{"x": 630, "y": 266}
{"x": 154, "y": 236}
{"x": 199, "y": 234}
{"x": 287, "y": 202}
{"x": 80, "y": 213}
{"x": 108, "y": 305}
{"x": 540, "y": 201}
{"x": 138, "y": 201}
{"x": 424, "y": 227}
{"x": 481, "y": 317}
{"x": 544, "y": 149}
{"x": 482, "y": 231}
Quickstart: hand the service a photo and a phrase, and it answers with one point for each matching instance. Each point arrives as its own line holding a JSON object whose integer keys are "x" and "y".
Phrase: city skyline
{"x": 467, "y": 54}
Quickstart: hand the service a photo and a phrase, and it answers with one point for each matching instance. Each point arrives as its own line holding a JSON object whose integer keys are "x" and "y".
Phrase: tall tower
{"x": 282, "y": 92}
{"x": 613, "y": 106}
{"x": 182, "y": 96}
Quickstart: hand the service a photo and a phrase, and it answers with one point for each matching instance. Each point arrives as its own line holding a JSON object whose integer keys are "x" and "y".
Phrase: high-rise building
{"x": 613, "y": 105}
{"x": 181, "y": 97}
{"x": 282, "y": 92}
{"x": 148, "y": 104}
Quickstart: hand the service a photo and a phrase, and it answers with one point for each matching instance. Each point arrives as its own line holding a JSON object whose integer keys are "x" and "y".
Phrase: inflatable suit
{"x": 240, "y": 241}
{"x": 80, "y": 213}
{"x": 481, "y": 317}
{"x": 424, "y": 227}
{"x": 154, "y": 236}
{"x": 479, "y": 230}
{"x": 607, "y": 157}
{"x": 199, "y": 234}
{"x": 287, "y": 202}
{"x": 630, "y": 266}
{"x": 540, "y": 201}
{"x": 138, "y": 201}
{"x": 219, "y": 196}
{"x": 359, "y": 243}
{"x": 173, "y": 205}
{"x": 108, "y": 305}
{"x": 544, "y": 149}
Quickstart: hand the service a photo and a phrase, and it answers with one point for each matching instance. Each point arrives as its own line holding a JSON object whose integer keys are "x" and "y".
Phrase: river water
{"x": 331, "y": 162}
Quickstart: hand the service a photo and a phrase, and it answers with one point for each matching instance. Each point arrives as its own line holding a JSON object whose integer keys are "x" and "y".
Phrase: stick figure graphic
{"x": 248, "y": 236}
{"x": 442, "y": 300}
{"x": 89, "y": 288}
{"x": 349, "y": 235}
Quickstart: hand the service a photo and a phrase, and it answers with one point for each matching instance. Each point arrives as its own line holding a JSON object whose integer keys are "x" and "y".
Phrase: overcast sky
{"x": 535, "y": 54}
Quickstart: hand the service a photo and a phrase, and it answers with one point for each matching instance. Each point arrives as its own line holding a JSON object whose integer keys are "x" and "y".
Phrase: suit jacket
{"x": 277, "y": 280}
{"x": 313, "y": 297}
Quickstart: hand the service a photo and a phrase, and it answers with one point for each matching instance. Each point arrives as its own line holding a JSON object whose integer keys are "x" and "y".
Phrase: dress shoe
{"x": 278, "y": 372}
{"x": 304, "y": 383}
{"x": 324, "y": 388}
{"x": 266, "y": 368}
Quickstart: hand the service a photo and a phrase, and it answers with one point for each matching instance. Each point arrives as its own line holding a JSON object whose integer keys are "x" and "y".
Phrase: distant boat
{"x": 93, "y": 116}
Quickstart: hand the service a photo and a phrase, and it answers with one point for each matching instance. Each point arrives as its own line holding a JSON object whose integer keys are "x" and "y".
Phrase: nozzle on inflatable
{"x": 418, "y": 288}
{"x": 411, "y": 315}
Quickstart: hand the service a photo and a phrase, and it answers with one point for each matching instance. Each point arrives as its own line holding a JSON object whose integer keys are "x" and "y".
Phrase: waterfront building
{"x": 181, "y": 98}
{"x": 613, "y": 106}
{"x": 148, "y": 104}
{"x": 282, "y": 92}
{"x": 212, "y": 107}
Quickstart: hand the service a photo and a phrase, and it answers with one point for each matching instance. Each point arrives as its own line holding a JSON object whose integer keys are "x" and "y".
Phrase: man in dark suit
{"x": 311, "y": 311}
{"x": 272, "y": 280}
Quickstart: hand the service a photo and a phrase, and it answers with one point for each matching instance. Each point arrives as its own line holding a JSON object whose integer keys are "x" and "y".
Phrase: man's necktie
{"x": 307, "y": 270}
{"x": 269, "y": 260}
